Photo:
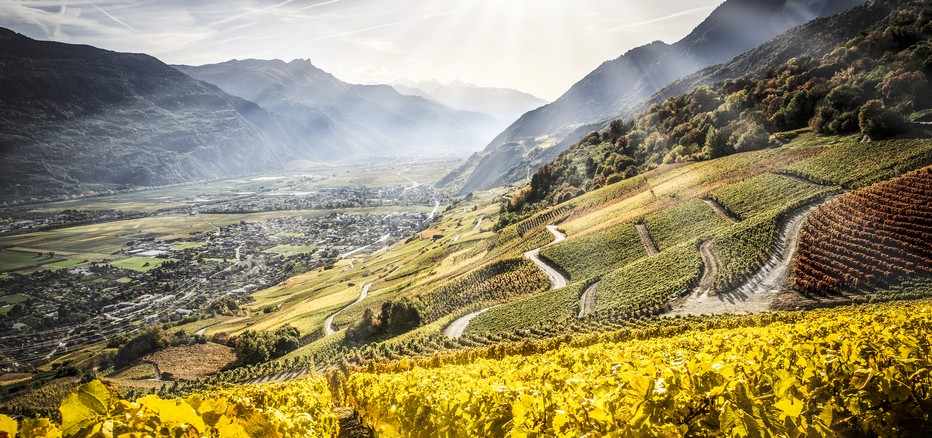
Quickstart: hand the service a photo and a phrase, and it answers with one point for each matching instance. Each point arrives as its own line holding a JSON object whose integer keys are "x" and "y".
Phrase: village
{"x": 47, "y": 313}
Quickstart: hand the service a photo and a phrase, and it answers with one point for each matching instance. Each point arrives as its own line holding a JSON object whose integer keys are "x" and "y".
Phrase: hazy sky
{"x": 538, "y": 46}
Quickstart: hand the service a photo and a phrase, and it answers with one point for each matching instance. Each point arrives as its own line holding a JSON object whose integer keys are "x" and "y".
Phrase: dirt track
{"x": 328, "y": 323}
{"x": 587, "y": 300}
{"x": 646, "y": 239}
{"x": 757, "y": 293}
{"x": 721, "y": 211}
{"x": 557, "y": 280}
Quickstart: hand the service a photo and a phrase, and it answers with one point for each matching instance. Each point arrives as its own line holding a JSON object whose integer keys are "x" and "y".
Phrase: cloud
{"x": 661, "y": 19}
{"x": 108, "y": 15}
{"x": 542, "y": 46}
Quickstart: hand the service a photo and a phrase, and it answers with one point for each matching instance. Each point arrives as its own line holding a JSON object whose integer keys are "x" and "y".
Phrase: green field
{"x": 16, "y": 260}
{"x": 140, "y": 264}
{"x": 288, "y": 250}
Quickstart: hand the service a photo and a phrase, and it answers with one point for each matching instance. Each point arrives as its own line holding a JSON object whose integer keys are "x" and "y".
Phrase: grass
{"x": 180, "y": 246}
{"x": 17, "y": 260}
{"x": 14, "y": 298}
{"x": 135, "y": 372}
{"x": 194, "y": 360}
{"x": 140, "y": 264}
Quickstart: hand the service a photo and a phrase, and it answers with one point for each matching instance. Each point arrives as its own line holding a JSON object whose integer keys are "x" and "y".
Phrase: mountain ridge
{"x": 77, "y": 119}
{"x": 731, "y": 29}
{"x": 371, "y": 119}
{"x": 505, "y": 104}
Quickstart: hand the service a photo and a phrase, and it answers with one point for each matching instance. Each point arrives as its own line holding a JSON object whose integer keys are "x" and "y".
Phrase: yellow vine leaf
{"x": 789, "y": 407}
{"x": 83, "y": 407}
{"x": 173, "y": 413}
{"x": 8, "y": 426}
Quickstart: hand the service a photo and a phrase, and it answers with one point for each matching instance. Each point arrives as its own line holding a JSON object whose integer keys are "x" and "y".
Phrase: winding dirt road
{"x": 757, "y": 293}
{"x": 557, "y": 280}
{"x": 456, "y": 328}
{"x": 328, "y": 323}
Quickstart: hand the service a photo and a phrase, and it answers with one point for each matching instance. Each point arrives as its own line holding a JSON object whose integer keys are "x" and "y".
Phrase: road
{"x": 557, "y": 280}
{"x": 456, "y": 329}
{"x": 207, "y": 221}
{"x": 362, "y": 248}
{"x": 328, "y": 323}
{"x": 757, "y": 293}
{"x": 413, "y": 182}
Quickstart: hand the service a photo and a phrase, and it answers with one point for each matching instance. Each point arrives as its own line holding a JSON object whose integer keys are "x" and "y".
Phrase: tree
{"x": 754, "y": 138}
{"x": 878, "y": 122}
{"x": 716, "y": 144}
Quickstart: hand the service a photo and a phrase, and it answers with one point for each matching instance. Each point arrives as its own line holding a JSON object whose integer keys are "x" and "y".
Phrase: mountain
{"x": 374, "y": 120}
{"x": 864, "y": 72}
{"x": 617, "y": 85}
{"x": 504, "y": 104}
{"x": 78, "y": 119}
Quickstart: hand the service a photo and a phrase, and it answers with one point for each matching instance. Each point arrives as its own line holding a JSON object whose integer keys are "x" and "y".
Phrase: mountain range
{"x": 366, "y": 120}
{"x": 79, "y": 120}
{"x": 504, "y": 104}
{"x": 617, "y": 87}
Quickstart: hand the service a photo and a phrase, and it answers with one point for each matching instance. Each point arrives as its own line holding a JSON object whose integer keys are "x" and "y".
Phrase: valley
{"x": 729, "y": 235}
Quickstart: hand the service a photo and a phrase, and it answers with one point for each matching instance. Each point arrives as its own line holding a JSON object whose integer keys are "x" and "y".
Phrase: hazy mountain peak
{"x": 372, "y": 119}
{"x": 502, "y": 103}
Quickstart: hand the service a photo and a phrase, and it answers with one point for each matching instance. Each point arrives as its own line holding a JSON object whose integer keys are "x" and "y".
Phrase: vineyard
{"x": 869, "y": 237}
{"x": 300, "y": 408}
{"x": 649, "y": 284}
{"x": 847, "y": 371}
{"x": 855, "y": 165}
{"x": 689, "y": 220}
{"x": 547, "y": 218}
{"x": 763, "y": 193}
{"x": 603, "y": 251}
{"x": 495, "y": 282}
{"x": 558, "y": 304}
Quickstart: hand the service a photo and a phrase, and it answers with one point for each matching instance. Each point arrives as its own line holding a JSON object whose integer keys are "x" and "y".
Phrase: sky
{"x": 538, "y": 46}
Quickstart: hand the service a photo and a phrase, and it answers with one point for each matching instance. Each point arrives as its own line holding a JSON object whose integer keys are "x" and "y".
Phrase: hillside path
{"x": 587, "y": 300}
{"x": 328, "y": 323}
{"x": 456, "y": 328}
{"x": 646, "y": 239}
{"x": 758, "y": 292}
{"x": 557, "y": 280}
{"x": 721, "y": 210}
